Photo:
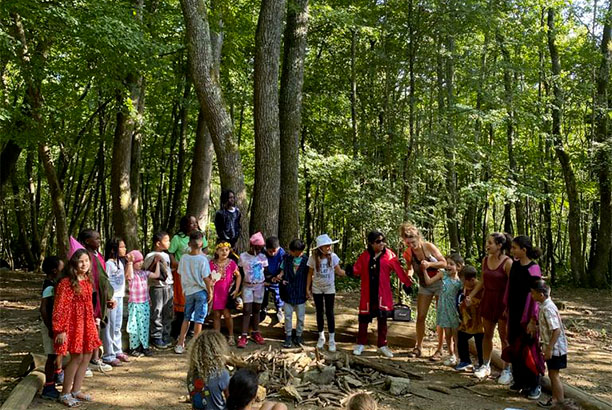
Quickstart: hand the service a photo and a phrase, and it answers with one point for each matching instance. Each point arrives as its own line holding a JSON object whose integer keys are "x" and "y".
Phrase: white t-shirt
{"x": 324, "y": 280}
{"x": 549, "y": 321}
{"x": 116, "y": 276}
{"x": 253, "y": 267}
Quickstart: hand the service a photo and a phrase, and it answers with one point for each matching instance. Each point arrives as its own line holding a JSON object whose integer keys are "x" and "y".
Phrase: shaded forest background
{"x": 334, "y": 116}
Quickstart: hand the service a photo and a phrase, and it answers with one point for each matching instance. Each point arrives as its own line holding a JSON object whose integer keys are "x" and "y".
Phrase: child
{"x": 227, "y": 219}
{"x": 374, "y": 268}
{"x": 522, "y": 314}
{"x": 292, "y": 278}
{"x": 471, "y": 322}
{"x": 447, "y": 316}
{"x": 361, "y": 401}
{"x": 323, "y": 265}
{"x": 275, "y": 254}
{"x": 52, "y": 267}
{"x": 138, "y": 303}
{"x": 227, "y": 271}
{"x": 194, "y": 270}
{"x": 253, "y": 264}
{"x": 74, "y": 325}
{"x": 243, "y": 392}
{"x": 553, "y": 340}
{"x": 161, "y": 292}
{"x": 111, "y": 333}
{"x": 103, "y": 291}
{"x": 179, "y": 246}
{"x": 207, "y": 378}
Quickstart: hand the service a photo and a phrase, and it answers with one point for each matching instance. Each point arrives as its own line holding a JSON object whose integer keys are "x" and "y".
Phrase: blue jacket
{"x": 293, "y": 286}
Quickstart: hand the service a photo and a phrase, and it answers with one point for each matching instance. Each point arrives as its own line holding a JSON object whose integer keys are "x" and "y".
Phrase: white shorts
{"x": 253, "y": 293}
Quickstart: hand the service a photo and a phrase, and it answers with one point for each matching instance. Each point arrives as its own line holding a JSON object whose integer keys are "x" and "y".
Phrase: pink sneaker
{"x": 257, "y": 338}
{"x": 242, "y": 342}
{"x": 123, "y": 357}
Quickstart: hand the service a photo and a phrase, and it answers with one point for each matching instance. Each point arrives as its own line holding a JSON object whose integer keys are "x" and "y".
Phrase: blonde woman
{"x": 423, "y": 258}
{"x": 208, "y": 378}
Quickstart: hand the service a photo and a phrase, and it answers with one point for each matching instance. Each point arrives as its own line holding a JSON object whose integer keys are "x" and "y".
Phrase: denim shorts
{"x": 432, "y": 290}
{"x": 196, "y": 307}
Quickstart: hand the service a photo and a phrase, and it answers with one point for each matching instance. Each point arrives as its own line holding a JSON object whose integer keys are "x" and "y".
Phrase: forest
{"x": 325, "y": 116}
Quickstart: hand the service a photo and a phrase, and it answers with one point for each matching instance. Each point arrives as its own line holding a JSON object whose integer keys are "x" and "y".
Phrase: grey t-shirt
{"x": 209, "y": 395}
{"x": 324, "y": 279}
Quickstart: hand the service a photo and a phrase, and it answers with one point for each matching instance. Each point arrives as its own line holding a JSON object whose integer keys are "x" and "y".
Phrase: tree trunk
{"x": 8, "y": 159}
{"x": 290, "y": 106}
{"x": 576, "y": 257}
{"x": 601, "y": 265}
{"x": 208, "y": 89}
{"x": 201, "y": 172}
{"x": 266, "y": 192}
{"x": 21, "y": 218}
{"x": 354, "y": 93}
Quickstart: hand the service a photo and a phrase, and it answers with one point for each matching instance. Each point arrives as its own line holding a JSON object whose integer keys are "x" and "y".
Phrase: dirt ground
{"x": 158, "y": 382}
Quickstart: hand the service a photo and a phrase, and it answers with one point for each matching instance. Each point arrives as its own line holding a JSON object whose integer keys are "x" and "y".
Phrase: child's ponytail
{"x": 524, "y": 242}
{"x": 504, "y": 239}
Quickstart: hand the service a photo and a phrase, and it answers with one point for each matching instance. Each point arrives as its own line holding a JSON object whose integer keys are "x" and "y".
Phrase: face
{"x": 138, "y": 265}
{"x": 469, "y": 283}
{"x": 517, "y": 252}
{"x": 492, "y": 246}
{"x": 256, "y": 249}
{"x": 60, "y": 267}
{"x": 325, "y": 249}
{"x": 122, "y": 249}
{"x": 164, "y": 244}
{"x": 231, "y": 199}
{"x": 223, "y": 252}
{"x": 296, "y": 254}
{"x": 272, "y": 252}
{"x": 537, "y": 296}
{"x": 83, "y": 264}
{"x": 193, "y": 224}
{"x": 452, "y": 266}
{"x": 94, "y": 241}
{"x": 410, "y": 239}
{"x": 379, "y": 244}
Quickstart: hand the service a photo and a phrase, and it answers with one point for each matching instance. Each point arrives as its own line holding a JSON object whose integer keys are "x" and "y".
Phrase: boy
{"x": 552, "y": 339}
{"x": 52, "y": 267}
{"x": 194, "y": 270}
{"x": 292, "y": 278}
{"x": 275, "y": 254}
{"x": 161, "y": 291}
{"x": 471, "y": 322}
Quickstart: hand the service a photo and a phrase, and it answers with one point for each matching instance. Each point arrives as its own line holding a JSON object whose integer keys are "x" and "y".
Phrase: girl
{"x": 138, "y": 303}
{"x": 74, "y": 325}
{"x": 522, "y": 313}
{"x": 495, "y": 270}
{"x": 243, "y": 392}
{"x": 111, "y": 334}
{"x": 374, "y": 267}
{"x": 423, "y": 258}
{"x": 447, "y": 315}
{"x": 323, "y": 265}
{"x": 179, "y": 245}
{"x": 253, "y": 264}
{"x": 224, "y": 270}
{"x": 207, "y": 378}
{"x": 103, "y": 291}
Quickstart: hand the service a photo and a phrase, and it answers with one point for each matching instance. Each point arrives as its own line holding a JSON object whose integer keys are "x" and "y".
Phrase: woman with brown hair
{"x": 423, "y": 258}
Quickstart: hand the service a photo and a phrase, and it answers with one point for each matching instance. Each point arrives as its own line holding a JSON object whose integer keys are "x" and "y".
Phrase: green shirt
{"x": 179, "y": 245}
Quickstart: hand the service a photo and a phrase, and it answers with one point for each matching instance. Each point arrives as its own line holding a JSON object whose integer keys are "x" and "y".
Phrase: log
{"x": 586, "y": 400}
{"x": 23, "y": 394}
{"x": 383, "y": 368}
{"x": 30, "y": 362}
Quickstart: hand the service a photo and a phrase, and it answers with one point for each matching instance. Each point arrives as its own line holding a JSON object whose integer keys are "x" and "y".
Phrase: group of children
{"x": 173, "y": 287}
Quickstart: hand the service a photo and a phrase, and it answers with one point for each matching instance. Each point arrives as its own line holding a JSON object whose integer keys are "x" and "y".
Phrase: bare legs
{"x": 487, "y": 341}
{"x": 423, "y": 302}
{"x": 229, "y": 323}
{"x": 74, "y": 373}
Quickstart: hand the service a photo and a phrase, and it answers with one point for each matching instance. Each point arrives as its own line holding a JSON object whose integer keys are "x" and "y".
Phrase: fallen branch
{"x": 383, "y": 368}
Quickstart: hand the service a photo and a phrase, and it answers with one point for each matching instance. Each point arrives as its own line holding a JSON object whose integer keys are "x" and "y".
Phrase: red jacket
{"x": 388, "y": 262}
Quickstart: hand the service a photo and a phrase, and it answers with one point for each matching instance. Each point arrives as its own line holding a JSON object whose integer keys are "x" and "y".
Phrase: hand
{"x": 308, "y": 294}
{"x": 174, "y": 265}
{"x": 60, "y": 338}
{"x": 129, "y": 258}
{"x": 468, "y": 301}
{"x": 111, "y": 304}
{"x": 425, "y": 264}
{"x": 234, "y": 294}
{"x": 531, "y": 328}
{"x": 548, "y": 353}
{"x": 157, "y": 258}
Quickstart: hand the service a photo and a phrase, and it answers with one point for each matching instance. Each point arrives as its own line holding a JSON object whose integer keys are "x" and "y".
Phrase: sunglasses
{"x": 379, "y": 241}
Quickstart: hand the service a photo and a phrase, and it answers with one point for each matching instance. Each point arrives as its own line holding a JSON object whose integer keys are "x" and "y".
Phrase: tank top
{"x": 494, "y": 279}
{"x": 416, "y": 265}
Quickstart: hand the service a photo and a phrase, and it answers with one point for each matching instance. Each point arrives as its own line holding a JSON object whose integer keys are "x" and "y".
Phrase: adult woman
{"x": 495, "y": 270}
{"x": 423, "y": 258}
{"x": 374, "y": 267}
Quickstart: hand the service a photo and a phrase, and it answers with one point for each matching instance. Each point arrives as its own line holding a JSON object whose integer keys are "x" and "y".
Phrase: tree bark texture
{"x": 290, "y": 107}
{"x": 201, "y": 172}
{"x": 576, "y": 257}
{"x": 266, "y": 193}
{"x": 208, "y": 89}
{"x": 601, "y": 267}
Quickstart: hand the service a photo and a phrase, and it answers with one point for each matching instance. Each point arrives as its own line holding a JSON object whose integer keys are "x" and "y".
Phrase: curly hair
{"x": 207, "y": 354}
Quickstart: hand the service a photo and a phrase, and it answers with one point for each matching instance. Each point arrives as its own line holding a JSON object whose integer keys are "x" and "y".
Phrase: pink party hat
{"x": 74, "y": 246}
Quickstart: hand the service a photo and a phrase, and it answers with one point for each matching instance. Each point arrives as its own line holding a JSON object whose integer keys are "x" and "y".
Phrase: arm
{"x": 129, "y": 268}
{"x": 156, "y": 274}
{"x": 508, "y": 266}
{"x": 173, "y": 262}
{"x": 435, "y": 252}
{"x": 63, "y": 302}
{"x": 309, "y": 283}
{"x": 429, "y": 281}
{"x": 553, "y": 339}
{"x": 339, "y": 271}
{"x": 399, "y": 271}
{"x": 209, "y": 288}
{"x": 238, "y": 283}
{"x": 220, "y": 225}
{"x": 474, "y": 291}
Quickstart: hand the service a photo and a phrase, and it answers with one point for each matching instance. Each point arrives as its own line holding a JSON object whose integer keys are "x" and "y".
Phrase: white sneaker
{"x": 280, "y": 316}
{"x": 321, "y": 341}
{"x": 358, "y": 350}
{"x": 483, "y": 371}
{"x": 450, "y": 361}
{"x": 101, "y": 366}
{"x": 385, "y": 351}
{"x": 88, "y": 373}
{"x": 505, "y": 377}
{"x": 178, "y": 349}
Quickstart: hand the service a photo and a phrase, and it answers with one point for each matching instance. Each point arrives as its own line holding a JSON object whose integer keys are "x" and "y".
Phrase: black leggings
{"x": 463, "y": 346}
{"x": 325, "y": 303}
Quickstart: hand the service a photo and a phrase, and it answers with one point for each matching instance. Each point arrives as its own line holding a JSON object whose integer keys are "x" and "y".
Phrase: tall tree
{"x": 266, "y": 193}
{"x": 290, "y": 106}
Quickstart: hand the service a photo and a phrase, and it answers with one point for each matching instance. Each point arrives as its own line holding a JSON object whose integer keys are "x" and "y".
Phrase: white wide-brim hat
{"x": 323, "y": 240}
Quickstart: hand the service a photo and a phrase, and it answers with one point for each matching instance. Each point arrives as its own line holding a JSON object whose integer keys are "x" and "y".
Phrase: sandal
{"x": 81, "y": 396}
{"x": 69, "y": 401}
{"x": 436, "y": 356}
{"x": 416, "y": 352}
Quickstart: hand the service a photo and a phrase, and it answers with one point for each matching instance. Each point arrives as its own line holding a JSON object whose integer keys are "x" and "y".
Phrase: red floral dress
{"x": 73, "y": 314}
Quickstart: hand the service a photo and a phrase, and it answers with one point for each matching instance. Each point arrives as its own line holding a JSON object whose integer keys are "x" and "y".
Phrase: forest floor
{"x": 158, "y": 381}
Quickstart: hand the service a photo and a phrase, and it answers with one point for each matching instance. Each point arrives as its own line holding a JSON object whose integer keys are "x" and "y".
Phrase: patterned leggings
{"x": 138, "y": 324}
